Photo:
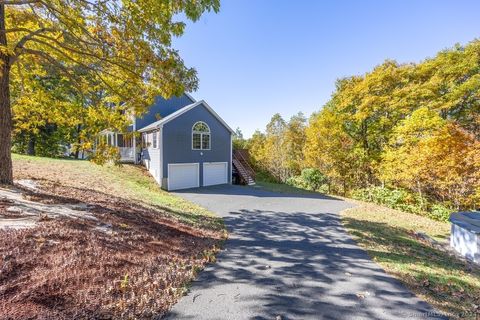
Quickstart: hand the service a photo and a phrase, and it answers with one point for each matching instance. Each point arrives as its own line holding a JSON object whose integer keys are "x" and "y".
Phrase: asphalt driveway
{"x": 288, "y": 257}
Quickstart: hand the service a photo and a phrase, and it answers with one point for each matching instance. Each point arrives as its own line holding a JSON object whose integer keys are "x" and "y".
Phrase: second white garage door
{"x": 215, "y": 173}
{"x": 183, "y": 175}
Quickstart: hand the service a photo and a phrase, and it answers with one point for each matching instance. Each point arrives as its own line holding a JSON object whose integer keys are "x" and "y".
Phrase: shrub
{"x": 263, "y": 175}
{"x": 313, "y": 178}
{"x": 105, "y": 153}
{"x": 403, "y": 200}
{"x": 439, "y": 212}
{"x": 310, "y": 179}
{"x": 296, "y": 181}
{"x": 393, "y": 198}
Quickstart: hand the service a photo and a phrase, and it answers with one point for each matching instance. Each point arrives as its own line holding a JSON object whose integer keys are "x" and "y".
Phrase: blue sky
{"x": 258, "y": 57}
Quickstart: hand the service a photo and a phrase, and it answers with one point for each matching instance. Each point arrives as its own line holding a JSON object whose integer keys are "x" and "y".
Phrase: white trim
{"x": 155, "y": 133}
{"x": 231, "y": 154}
{"x": 201, "y": 137}
{"x": 217, "y": 116}
{"x": 183, "y": 164}
{"x": 179, "y": 112}
{"x": 105, "y": 131}
{"x": 203, "y": 171}
{"x": 203, "y": 123}
{"x": 160, "y": 133}
{"x": 134, "y": 146}
{"x": 134, "y": 127}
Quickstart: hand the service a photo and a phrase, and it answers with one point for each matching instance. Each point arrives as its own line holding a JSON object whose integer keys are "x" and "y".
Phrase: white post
{"x": 134, "y": 146}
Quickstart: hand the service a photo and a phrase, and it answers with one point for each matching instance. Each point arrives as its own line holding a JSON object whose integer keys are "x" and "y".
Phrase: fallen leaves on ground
{"x": 132, "y": 262}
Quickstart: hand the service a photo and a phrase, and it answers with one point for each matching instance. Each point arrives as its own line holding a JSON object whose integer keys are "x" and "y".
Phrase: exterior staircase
{"x": 245, "y": 171}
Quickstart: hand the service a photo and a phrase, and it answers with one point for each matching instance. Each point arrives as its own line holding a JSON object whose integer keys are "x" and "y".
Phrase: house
{"x": 182, "y": 142}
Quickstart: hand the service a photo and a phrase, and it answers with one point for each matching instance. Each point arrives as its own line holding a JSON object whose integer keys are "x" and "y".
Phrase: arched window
{"x": 200, "y": 136}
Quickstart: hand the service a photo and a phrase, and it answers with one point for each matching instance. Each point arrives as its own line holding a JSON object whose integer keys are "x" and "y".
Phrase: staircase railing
{"x": 242, "y": 165}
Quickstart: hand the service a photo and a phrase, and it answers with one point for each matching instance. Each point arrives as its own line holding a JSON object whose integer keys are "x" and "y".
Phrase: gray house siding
{"x": 163, "y": 108}
{"x": 177, "y": 142}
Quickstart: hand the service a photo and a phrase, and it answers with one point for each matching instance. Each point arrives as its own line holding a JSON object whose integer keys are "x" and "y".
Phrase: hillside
{"x": 130, "y": 254}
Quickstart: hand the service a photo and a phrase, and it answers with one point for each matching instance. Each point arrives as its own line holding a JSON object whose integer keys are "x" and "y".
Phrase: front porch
{"x": 125, "y": 142}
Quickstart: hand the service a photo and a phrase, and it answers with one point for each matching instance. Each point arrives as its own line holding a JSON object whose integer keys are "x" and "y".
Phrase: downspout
{"x": 160, "y": 141}
{"x": 134, "y": 141}
{"x": 231, "y": 160}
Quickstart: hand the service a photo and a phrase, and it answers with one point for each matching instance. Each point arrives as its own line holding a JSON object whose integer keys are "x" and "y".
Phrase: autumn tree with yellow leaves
{"x": 413, "y": 127}
{"x": 121, "y": 49}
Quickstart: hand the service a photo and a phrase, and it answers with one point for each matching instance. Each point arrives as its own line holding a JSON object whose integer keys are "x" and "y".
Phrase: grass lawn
{"x": 131, "y": 256}
{"x": 280, "y": 187}
{"x": 127, "y": 181}
{"x": 389, "y": 237}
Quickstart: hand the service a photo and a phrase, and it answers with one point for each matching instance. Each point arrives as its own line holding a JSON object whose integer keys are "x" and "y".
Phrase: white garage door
{"x": 215, "y": 173}
{"x": 183, "y": 175}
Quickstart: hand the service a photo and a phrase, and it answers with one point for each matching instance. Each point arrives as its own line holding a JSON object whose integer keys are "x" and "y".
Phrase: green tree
{"x": 415, "y": 127}
{"x": 294, "y": 141}
{"x": 256, "y": 148}
{"x": 370, "y": 106}
{"x": 124, "y": 45}
{"x": 238, "y": 141}
{"x": 332, "y": 150}
{"x": 275, "y": 155}
{"x": 50, "y": 112}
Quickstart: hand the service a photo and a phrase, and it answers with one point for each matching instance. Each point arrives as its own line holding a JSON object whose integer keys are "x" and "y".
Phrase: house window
{"x": 144, "y": 140}
{"x": 154, "y": 140}
{"x": 200, "y": 136}
{"x": 147, "y": 140}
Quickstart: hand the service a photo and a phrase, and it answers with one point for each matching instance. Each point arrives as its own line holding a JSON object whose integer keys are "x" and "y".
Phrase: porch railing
{"x": 127, "y": 153}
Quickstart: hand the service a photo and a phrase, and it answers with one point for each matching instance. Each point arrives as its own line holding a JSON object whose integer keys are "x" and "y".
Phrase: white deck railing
{"x": 127, "y": 153}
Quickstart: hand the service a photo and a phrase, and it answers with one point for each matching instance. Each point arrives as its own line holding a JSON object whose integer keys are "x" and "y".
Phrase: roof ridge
{"x": 182, "y": 110}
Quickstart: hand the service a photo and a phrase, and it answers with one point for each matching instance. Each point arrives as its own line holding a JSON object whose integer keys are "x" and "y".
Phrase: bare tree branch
{"x": 30, "y": 36}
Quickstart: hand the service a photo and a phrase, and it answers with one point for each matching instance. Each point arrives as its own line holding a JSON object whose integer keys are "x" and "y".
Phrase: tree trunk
{"x": 31, "y": 145}
{"x": 6, "y": 174}
{"x": 79, "y": 141}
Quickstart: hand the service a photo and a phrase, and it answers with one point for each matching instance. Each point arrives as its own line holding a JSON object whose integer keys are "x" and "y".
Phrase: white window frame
{"x": 201, "y": 137}
{"x": 155, "y": 140}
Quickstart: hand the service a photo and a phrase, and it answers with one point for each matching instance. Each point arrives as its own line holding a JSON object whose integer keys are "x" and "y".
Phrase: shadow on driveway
{"x": 253, "y": 191}
{"x": 288, "y": 256}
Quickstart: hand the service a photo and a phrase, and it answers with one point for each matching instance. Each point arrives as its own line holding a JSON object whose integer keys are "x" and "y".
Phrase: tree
{"x": 451, "y": 84}
{"x": 370, "y": 106}
{"x": 434, "y": 157}
{"x": 331, "y": 150}
{"x": 49, "y": 112}
{"x": 36, "y": 124}
{"x": 408, "y": 126}
{"x": 124, "y": 45}
{"x": 256, "y": 148}
{"x": 276, "y": 157}
{"x": 294, "y": 141}
{"x": 238, "y": 140}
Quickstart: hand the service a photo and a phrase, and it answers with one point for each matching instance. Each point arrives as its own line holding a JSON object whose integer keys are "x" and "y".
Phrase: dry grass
{"x": 133, "y": 262}
{"x": 129, "y": 182}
